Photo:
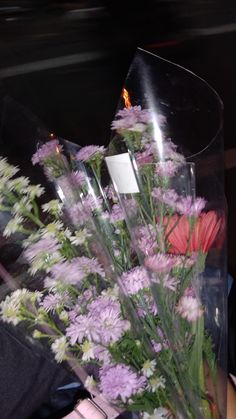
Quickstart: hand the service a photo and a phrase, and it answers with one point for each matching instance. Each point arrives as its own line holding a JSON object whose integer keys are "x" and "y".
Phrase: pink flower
{"x": 46, "y": 150}
{"x": 90, "y": 152}
{"x": 119, "y": 381}
{"x": 159, "y": 262}
{"x": 189, "y": 308}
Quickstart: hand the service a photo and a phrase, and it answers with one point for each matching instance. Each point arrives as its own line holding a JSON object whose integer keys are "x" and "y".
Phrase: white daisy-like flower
{"x": 18, "y": 184}
{"x": 80, "y": 237}
{"x": 113, "y": 293}
{"x": 34, "y": 237}
{"x": 7, "y": 171}
{"x": 53, "y": 207}
{"x": 37, "y": 334}
{"x": 13, "y": 226}
{"x": 59, "y": 348}
{"x": 148, "y": 368}
{"x": 159, "y": 413}
{"x": 10, "y": 307}
{"x": 63, "y": 316}
{"x": 52, "y": 229}
{"x": 156, "y": 382}
{"x": 90, "y": 383}
{"x": 21, "y": 206}
{"x": 88, "y": 351}
{"x": 34, "y": 191}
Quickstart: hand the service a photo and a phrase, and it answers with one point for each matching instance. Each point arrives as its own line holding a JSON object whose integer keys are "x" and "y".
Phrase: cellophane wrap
{"x": 129, "y": 276}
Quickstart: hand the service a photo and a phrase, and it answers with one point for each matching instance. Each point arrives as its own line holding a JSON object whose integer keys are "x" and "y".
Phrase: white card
{"x": 122, "y": 173}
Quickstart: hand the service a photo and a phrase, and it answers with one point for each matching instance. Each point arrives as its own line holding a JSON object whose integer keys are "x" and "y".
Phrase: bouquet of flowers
{"x": 124, "y": 286}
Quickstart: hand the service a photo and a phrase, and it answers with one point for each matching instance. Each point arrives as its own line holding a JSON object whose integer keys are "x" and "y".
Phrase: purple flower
{"x": 145, "y": 238}
{"x": 90, "y": 266}
{"x": 102, "y": 354}
{"x": 91, "y": 203}
{"x": 166, "y": 168}
{"x": 117, "y": 214}
{"x": 90, "y": 152}
{"x": 68, "y": 272}
{"x": 144, "y": 157}
{"x": 111, "y": 193}
{"x": 78, "y": 214}
{"x": 119, "y": 381}
{"x": 190, "y": 207}
{"x": 45, "y": 151}
{"x": 82, "y": 327}
{"x": 111, "y": 326}
{"x": 135, "y": 280}
{"x": 78, "y": 178}
{"x": 167, "y": 196}
{"x": 147, "y": 305}
{"x": 163, "y": 342}
{"x": 106, "y": 313}
{"x": 189, "y": 308}
{"x": 159, "y": 262}
{"x": 42, "y": 247}
{"x": 52, "y": 302}
{"x": 102, "y": 303}
{"x": 128, "y": 118}
{"x": 167, "y": 281}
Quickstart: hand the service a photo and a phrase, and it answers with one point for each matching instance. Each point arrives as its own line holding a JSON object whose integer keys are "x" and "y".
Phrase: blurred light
{"x": 126, "y": 97}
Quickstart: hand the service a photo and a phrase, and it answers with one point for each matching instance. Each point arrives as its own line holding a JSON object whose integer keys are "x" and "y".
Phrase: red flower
{"x": 204, "y": 233}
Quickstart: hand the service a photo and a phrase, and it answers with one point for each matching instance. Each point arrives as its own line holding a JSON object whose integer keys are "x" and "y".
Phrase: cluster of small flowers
{"x": 183, "y": 205}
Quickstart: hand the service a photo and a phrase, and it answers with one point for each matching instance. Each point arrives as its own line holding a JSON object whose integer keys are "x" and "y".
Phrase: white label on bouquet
{"x": 122, "y": 173}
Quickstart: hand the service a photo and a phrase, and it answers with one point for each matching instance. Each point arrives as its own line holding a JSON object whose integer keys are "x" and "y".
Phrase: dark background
{"x": 63, "y": 64}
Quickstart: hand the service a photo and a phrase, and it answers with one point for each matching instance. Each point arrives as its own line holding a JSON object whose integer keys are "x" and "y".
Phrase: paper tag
{"x": 122, "y": 173}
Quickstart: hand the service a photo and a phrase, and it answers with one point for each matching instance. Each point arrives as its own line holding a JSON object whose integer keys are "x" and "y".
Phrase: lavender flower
{"x": 78, "y": 214}
{"x": 45, "y": 151}
{"x": 135, "y": 280}
{"x": 133, "y": 118}
{"x": 102, "y": 355}
{"x": 90, "y": 152}
{"x": 69, "y": 272}
{"x": 166, "y": 168}
{"x": 167, "y": 196}
{"x": 91, "y": 203}
{"x": 111, "y": 193}
{"x": 83, "y": 327}
{"x": 78, "y": 178}
{"x": 53, "y": 302}
{"x": 159, "y": 262}
{"x": 103, "y": 303}
{"x": 145, "y": 238}
{"x": 167, "y": 282}
{"x": 111, "y": 326}
{"x": 189, "y": 308}
{"x": 190, "y": 207}
{"x": 144, "y": 157}
{"x": 117, "y": 214}
{"x": 90, "y": 266}
{"x": 120, "y": 381}
{"x": 43, "y": 254}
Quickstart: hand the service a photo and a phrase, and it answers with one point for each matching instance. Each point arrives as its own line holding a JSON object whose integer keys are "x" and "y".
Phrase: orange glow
{"x": 57, "y": 150}
{"x": 125, "y": 95}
